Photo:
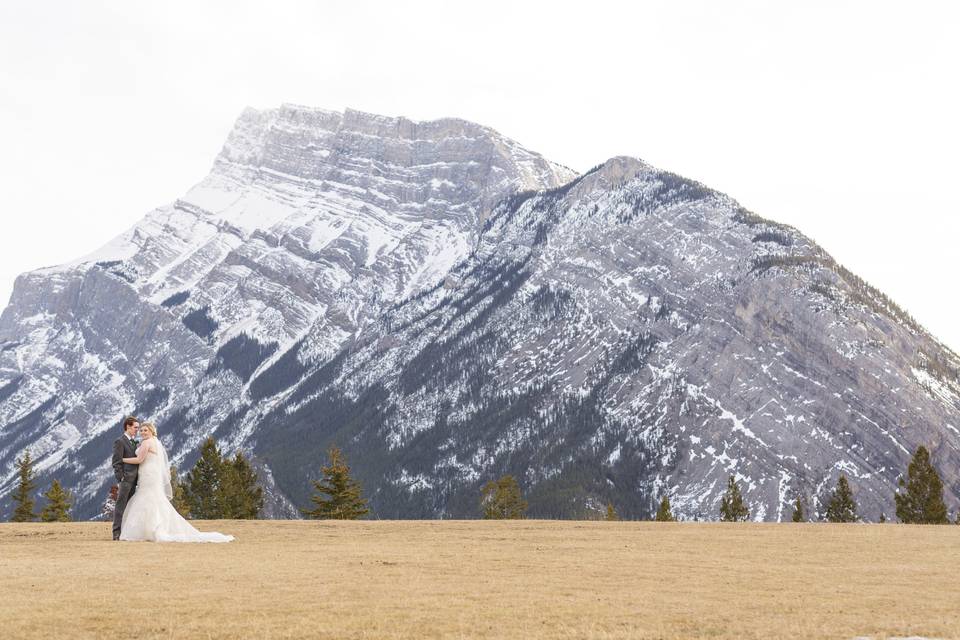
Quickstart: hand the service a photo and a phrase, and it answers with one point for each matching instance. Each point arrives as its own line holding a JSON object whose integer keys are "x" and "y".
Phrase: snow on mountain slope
{"x": 447, "y": 306}
{"x": 627, "y": 336}
{"x": 308, "y": 222}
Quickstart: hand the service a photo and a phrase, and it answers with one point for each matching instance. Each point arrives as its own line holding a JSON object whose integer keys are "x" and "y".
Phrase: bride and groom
{"x": 144, "y": 510}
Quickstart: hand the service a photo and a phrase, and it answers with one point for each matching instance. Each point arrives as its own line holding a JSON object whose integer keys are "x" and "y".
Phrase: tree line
{"x": 919, "y": 499}
{"x": 59, "y": 500}
{"x": 220, "y": 487}
{"x": 216, "y": 488}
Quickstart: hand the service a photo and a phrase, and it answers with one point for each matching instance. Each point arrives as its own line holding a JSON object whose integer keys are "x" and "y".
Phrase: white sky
{"x": 840, "y": 118}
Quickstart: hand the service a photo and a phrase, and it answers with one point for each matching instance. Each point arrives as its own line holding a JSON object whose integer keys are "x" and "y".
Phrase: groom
{"x": 124, "y": 447}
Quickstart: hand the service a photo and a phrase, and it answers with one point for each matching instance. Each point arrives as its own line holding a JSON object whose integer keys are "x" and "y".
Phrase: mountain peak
{"x": 303, "y": 141}
{"x": 280, "y": 164}
{"x": 616, "y": 170}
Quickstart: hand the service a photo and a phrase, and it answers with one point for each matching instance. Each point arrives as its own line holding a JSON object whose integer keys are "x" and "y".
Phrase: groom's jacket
{"x": 123, "y": 448}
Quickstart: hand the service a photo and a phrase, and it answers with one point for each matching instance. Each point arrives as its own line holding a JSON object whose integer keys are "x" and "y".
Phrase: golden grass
{"x": 478, "y": 579}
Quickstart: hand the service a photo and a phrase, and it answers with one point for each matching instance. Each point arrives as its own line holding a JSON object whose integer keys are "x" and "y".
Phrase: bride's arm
{"x": 141, "y": 456}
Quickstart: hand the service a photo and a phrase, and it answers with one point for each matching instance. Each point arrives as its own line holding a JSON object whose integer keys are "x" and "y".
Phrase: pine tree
{"x": 501, "y": 500}
{"x": 203, "y": 488}
{"x": 663, "y": 513}
{"x": 798, "y": 515}
{"x": 732, "y": 507}
{"x": 338, "y": 495}
{"x": 612, "y": 514}
{"x": 841, "y": 507}
{"x": 242, "y": 495}
{"x": 59, "y": 502}
{"x": 23, "y": 494}
{"x": 921, "y": 499}
{"x": 179, "y": 499}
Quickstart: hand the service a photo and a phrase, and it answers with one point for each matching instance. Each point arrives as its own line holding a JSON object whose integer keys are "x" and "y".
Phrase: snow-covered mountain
{"x": 448, "y": 306}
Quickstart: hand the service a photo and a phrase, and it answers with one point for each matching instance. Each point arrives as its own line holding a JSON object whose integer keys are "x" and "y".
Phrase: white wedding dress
{"x": 149, "y": 514}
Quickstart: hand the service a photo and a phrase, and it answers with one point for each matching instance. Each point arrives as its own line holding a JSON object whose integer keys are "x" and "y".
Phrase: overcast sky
{"x": 840, "y": 118}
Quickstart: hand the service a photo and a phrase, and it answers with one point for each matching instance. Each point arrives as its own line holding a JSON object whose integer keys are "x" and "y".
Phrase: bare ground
{"x": 478, "y": 579}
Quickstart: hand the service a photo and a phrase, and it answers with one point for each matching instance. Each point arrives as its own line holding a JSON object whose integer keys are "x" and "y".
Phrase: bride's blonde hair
{"x": 149, "y": 425}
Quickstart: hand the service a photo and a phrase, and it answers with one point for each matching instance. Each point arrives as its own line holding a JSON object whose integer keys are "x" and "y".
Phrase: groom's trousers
{"x": 128, "y": 486}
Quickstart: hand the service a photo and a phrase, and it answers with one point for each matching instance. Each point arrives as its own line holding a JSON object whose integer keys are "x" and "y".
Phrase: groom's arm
{"x": 141, "y": 455}
{"x": 118, "y": 459}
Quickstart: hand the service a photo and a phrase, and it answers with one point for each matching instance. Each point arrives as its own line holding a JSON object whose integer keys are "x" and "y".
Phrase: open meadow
{"x": 484, "y": 579}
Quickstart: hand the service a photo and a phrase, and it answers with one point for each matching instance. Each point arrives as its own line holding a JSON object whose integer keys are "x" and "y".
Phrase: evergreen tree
{"x": 59, "y": 502}
{"x": 501, "y": 500}
{"x": 663, "y": 513}
{"x": 203, "y": 488}
{"x": 921, "y": 498}
{"x": 611, "y": 513}
{"x": 23, "y": 494}
{"x": 883, "y": 517}
{"x": 242, "y": 495}
{"x": 218, "y": 487}
{"x": 338, "y": 495}
{"x": 841, "y": 507}
{"x": 179, "y": 499}
{"x": 798, "y": 515}
{"x": 732, "y": 507}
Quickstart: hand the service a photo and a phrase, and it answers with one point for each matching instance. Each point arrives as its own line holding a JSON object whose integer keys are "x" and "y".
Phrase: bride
{"x": 149, "y": 514}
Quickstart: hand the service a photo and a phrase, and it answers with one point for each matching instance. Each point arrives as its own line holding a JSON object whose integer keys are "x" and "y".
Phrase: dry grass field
{"x": 478, "y": 579}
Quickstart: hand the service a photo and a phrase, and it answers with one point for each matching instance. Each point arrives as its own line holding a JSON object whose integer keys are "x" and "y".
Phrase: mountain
{"x": 447, "y": 306}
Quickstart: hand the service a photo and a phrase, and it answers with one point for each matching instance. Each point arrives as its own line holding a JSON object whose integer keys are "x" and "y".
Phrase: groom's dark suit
{"x": 126, "y": 475}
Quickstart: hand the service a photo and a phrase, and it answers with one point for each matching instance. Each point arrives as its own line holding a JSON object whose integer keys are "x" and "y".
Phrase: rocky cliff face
{"x": 447, "y": 306}
{"x": 308, "y": 224}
